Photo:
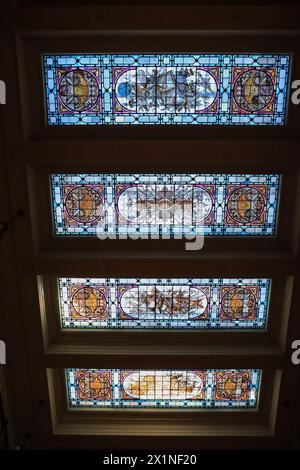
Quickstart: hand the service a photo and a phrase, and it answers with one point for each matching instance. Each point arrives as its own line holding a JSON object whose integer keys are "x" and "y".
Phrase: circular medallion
{"x": 238, "y": 303}
{"x": 253, "y": 90}
{"x": 93, "y": 386}
{"x": 245, "y": 205}
{"x": 232, "y": 386}
{"x": 84, "y": 204}
{"x": 89, "y": 302}
{"x": 78, "y": 90}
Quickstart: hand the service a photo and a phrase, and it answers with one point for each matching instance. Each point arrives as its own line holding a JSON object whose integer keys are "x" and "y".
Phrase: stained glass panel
{"x": 164, "y": 303}
{"x": 123, "y": 388}
{"x": 164, "y": 205}
{"x": 210, "y": 89}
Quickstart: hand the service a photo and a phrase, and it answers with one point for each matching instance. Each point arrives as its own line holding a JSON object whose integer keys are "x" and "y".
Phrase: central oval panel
{"x": 164, "y": 302}
{"x": 163, "y": 385}
{"x": 164, "y": 204}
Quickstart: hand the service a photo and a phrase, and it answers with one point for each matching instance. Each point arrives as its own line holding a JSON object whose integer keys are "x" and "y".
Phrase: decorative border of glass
{"x": 201, "y": 89}
{"x": 164, "y": 205}
{"x": 123, "y": 388}
{"x": 163, "y": 303}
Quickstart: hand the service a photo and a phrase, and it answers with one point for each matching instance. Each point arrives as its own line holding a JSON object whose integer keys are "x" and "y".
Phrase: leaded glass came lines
{"x": 164, "y": 89}
{"x": 123, "y": 388}
{"x": 163, "y": 303}
{"x": 164, "y": 205}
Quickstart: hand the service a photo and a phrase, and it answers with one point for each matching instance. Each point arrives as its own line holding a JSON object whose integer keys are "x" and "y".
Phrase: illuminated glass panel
{"x": 210, "y": 89}
{"x": 210, "y": 388}
{"x": 164, "y": 303}
{"x": 164, "y": 205}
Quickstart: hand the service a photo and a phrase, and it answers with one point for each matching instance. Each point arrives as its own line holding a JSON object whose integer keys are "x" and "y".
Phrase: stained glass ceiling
{"x": 131, "y": 303}
{"x": 164, "y": 205}
{"x": 164, "y": 89}
{"x": 125, "y": 388}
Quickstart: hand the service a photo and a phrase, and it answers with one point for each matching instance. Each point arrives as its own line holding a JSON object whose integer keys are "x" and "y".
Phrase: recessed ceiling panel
{"x": 164, "y": 89}
{"x": 131, "y": 388}
{"x": 131, "y": 303}
{"x": 164, "y": 205}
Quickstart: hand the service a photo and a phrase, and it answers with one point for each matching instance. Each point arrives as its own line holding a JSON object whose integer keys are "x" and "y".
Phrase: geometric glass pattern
{"x": 197, "y": 89}
{"x": 163, "y": 303}
{"x": 164, "y": 205}
{"x": 131, "y": 388}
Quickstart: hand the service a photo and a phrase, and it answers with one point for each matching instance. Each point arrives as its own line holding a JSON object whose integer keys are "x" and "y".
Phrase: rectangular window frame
{"x": 106, "y": 69}
{"x": 44, "y": 229}
{"x": 208, "y": 44}
{"x": 188, "y": 422}
{"x": 54, "y": 334}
